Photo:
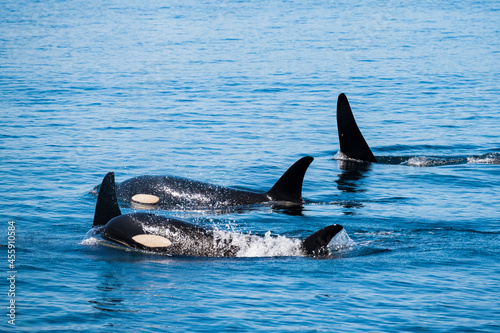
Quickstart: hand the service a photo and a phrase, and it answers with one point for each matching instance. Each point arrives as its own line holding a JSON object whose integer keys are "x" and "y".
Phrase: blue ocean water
{"x": 232, "y": 93}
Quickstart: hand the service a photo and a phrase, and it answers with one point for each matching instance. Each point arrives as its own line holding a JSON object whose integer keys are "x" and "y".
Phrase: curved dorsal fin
{"x": 351, "y": 140}
{"x": 289, "y": 186}
{"x": 107, "y": 204}
{"x": 320, "y": 239}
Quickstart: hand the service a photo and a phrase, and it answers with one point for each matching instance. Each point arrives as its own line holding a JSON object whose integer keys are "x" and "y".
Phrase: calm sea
{"x": 232, "y": 93}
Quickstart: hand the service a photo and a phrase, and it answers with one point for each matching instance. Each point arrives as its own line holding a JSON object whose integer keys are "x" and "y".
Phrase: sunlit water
{"x": 233, "y": 93}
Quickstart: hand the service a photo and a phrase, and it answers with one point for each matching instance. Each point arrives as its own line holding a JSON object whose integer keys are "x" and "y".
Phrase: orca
{"x": 352, "y": 142}
{"x": 182, "y": 193}
{"x": 161, "y": 234}
{"x": 354, "y": 149}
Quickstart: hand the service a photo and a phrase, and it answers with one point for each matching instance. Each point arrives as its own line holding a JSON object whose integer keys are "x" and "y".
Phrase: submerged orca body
{"x": 171, "y": 236}
{"x": 352, "y": 142}
{"x": 176, "y": 192}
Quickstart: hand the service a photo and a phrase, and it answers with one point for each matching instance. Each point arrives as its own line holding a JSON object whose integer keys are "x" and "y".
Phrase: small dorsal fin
{"x": 107, "y": 204}
{"x": 289, "y": 186}
{"x": 351, "y": 140}
{"x": 320, "y": 239}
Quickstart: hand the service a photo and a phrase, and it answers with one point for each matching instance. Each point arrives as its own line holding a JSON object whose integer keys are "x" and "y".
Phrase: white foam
{"x": 91, "y": 237}
{"x": 90, "y": 241}
{"x": 484, "y": 159}
{"x": 343, "y": 157}
{"x": 268, "y": 246}
{"x": 275, "y": 246}
{"x": 418, "y": 161}
{"x": 424, "y": 161}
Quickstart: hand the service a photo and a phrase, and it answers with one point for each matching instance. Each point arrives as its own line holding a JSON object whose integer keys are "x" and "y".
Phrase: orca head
{"x": 128, "y": 230}
{"x": 289, "y": 186}
{"x": 147, "y": 231}
{"x": 352, "y": 142}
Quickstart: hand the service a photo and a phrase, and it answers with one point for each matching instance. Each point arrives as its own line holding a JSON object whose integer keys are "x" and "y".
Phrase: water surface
{"x": 233, "y": 93}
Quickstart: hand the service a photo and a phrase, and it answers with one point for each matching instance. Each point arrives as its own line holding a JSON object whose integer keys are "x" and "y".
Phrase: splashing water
{"x": 491, "y": 158}
{"x": 340, "y": 156}
{"x": 341, "y": 241}
{"x": 249, "y": 245}
{"x": 266, "y": 246}
{"x": 424, "y": 161}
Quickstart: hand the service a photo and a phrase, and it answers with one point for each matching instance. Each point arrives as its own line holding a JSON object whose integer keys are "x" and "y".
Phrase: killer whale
{"x": 352, "y": 142}
{"x": 354, "y": 149}
{"x": 161, "y": 234}
{"x": 176, "y": 192}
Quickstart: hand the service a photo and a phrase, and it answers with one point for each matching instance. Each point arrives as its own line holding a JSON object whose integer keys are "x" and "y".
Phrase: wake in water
{"x": 427, "y": 161}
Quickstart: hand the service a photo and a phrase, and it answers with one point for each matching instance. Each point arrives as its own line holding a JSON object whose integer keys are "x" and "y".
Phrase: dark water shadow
{"x": 106, "y": 300}
{"x": 289, "y": 210}
{"x": 352, "y": 173}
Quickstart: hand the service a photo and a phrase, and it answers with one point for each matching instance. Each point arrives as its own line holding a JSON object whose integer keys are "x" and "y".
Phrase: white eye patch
{"x": 145, "y": 198}
{"x": 152, "y": 240}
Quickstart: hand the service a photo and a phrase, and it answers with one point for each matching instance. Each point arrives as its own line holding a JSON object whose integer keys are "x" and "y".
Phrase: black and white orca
{"x": 176, "y": 192}
{"x": 162, "y": 234}
{"x": 352, "y": 142}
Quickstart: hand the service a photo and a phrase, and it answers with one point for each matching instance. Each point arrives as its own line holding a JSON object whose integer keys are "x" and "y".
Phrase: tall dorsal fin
{"x": 289, "y": 186}
{"x": 107, "y": 204}
{"x": 320, "y": 239}
{"x": 351, "y": 140}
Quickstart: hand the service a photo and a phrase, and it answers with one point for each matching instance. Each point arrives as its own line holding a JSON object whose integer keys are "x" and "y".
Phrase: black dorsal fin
{"x": 107, "y": 204}
{"x": 320, "y": 239}
{"x": 351, "y": 140}
{"x": 289, "y": 186}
